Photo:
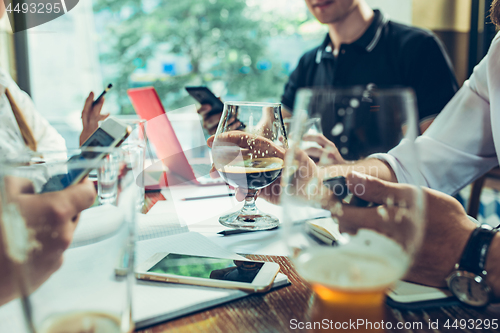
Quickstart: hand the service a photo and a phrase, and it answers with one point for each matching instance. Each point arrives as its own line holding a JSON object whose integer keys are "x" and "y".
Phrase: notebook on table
{"x": 153, "y": 302}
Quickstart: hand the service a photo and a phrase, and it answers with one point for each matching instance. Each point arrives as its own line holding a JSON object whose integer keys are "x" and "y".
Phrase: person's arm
{"x": 447, "y": 227}
{"x": 493, "y": 266}
{"x": 46, "y": 136}
{"x": 458, "y": 147}
{"x": 52, "y": 219}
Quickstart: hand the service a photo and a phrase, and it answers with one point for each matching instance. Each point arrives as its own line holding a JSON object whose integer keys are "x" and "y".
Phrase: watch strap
{"x": 475, "y": 253}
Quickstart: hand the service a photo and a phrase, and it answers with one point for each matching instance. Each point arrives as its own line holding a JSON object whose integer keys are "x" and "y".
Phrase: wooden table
{"x": 272, "y": 312}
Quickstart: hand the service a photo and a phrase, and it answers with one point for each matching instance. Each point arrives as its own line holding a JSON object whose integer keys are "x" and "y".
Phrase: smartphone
{"x": 340, "y": 189}
{"x": 252, "y": 276}
{"x": 205, "y": 96}
{"x": 111, "y": 133}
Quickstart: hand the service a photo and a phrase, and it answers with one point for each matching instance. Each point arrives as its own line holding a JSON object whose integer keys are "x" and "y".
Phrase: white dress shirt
{"x": 462, "y": 142}
{"x": 11, "y": 140}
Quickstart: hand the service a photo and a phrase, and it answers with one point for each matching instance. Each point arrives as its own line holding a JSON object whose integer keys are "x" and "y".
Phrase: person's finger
{"x": 241, "y": 193}
{"x": 210, "y": 141}
{"x": 96, "y": 109}
{"x": 379, "y": 191}
{"x": 103, "y": 117}
{"x": 214, "y": 174}
{"x": 80, "y": 196}
{"x": 314, "y": 152}
{"x": 87, "y": 108}
{"x": 212, "y": 121}
{"x": 16, "y": 185}
{"x": 318, "y": 138}
{"x": 235, "y": 125}
{"x": 380, "y": 218}
{"x": 272, "y": 193}
{"x": 204, "y": 109}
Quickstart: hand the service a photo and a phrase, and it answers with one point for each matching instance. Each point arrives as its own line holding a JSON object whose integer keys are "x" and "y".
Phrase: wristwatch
{"x": 468, "y": 281}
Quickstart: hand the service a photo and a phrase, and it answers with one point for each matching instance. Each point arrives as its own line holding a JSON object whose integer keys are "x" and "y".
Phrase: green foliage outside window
{"x": 224, "y": 41}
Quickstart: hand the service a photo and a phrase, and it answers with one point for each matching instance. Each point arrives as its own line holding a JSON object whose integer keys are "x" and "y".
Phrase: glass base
{"x": 258, "y": 221}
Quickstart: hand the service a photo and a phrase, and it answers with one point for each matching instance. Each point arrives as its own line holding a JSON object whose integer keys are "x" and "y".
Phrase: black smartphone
{"x": 339, "y": 188}
{"x": 111, "y": 133}
{"x": 205, "y": 96}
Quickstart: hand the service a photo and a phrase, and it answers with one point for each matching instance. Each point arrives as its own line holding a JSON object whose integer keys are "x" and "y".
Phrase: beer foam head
{"x": 368, "y": 261}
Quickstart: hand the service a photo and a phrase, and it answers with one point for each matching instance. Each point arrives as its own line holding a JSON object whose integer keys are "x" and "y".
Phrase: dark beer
{"x": 253, "y": 174}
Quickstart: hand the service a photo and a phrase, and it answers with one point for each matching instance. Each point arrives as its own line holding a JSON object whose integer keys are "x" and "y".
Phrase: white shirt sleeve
{"x": 458, "y": 147}
{"x": 46, "y": 136}
{"x": 11, "y": 140}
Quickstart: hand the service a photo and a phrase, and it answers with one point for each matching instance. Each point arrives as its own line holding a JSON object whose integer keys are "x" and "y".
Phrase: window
{"x": 6, "y": 46}
{"x": 241, "y": 49}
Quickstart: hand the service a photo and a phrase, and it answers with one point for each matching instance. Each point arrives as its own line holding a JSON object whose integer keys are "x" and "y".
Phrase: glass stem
{"x": 249, "y": 208}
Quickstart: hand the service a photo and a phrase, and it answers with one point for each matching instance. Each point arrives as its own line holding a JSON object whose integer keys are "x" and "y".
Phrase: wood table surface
{"x": 273, "y": 311}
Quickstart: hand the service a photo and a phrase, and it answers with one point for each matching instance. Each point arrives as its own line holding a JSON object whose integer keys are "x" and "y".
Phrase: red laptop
{"x": 161, "y": 134}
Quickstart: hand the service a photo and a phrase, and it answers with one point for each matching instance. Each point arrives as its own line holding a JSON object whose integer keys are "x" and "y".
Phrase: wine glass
{"x": 88, "y": 291}
{"x": 373, "y": 241}
{"x": 248, "y": 151}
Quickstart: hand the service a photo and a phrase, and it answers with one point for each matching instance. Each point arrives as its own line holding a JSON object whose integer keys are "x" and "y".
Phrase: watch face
{"x": 469, "y": 288}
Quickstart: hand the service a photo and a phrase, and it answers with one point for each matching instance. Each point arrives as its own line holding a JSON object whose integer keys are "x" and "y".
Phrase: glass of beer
{"x": 72, "y": 272}
{"x": 350, "y": 235}
{"x": 248, "y": 151}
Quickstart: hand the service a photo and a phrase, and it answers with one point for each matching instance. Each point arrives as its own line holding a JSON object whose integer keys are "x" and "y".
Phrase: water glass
{"x": 136, "y": 146}
{"x": 373, "y": 241}
{"x": 70, "y": 275}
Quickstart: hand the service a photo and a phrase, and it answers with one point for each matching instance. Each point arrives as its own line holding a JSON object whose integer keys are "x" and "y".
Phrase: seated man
{"x": 459, "y": 146}
{"x": 51, "y": 218}
{"x": 364, "y": 47}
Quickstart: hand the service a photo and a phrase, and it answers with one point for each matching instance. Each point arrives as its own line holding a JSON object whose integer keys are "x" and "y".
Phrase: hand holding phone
{"x": 205, "y": 96}
{"x": 110, "y": 134}
{"x": 211, "y": 109}
{"x": 340, "y": 189}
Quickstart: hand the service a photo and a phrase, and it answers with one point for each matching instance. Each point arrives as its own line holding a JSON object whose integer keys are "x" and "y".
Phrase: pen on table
{"x": 210, "y": 196}
{"x": 102, "y": 95}
{"x": 240, "y": 231}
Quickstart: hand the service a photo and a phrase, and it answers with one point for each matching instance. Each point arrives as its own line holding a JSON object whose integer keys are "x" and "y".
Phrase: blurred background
{"x": 241, "y": 49}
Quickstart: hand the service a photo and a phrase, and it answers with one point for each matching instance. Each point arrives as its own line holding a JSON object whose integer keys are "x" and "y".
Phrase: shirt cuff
{"x": 404, "y": 164}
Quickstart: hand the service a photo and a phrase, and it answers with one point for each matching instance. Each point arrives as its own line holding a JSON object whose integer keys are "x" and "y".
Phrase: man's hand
{"x": 234, "y": 145}
{"x": 325, "y": 153}
{"x": 210, "y": 121}
{"x": 91, "y": 115}
{"x": 52, "y": 218}
{"x": 446, "y": 230}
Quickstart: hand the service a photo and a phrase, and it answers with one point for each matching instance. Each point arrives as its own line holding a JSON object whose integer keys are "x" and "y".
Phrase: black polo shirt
{"x": 387, "y": 54}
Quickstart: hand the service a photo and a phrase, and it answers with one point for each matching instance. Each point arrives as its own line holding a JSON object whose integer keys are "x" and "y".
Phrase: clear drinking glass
{"x": 361, "y": 247}
{"x": 72, "y": 274}
{"x": 137, "y": 144}
{"x": 107, "y": 179}
{"x": 312, "y": 128}
{"x": 248, "y": 152}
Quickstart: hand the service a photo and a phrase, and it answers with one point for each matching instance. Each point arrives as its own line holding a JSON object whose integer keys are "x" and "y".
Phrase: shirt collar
{"x": 368, "y": 40}
{"x": 372, "y": 35}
